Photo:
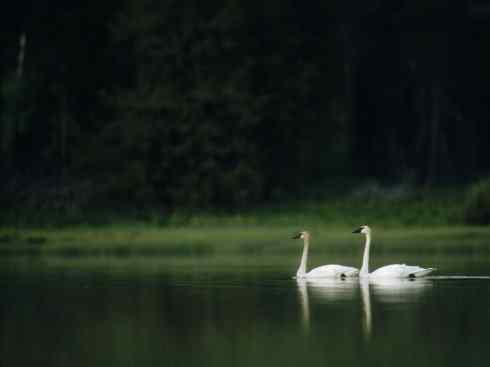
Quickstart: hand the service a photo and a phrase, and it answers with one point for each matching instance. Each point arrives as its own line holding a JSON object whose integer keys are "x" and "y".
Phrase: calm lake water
{"x": 241, "y": 311}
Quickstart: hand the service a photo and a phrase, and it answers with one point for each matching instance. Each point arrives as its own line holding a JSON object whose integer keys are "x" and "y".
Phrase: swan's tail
{"x": 422, "y": 273}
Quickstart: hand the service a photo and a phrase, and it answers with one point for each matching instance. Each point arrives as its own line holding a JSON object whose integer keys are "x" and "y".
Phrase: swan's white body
{"x": 388, "y": 271}
{"x": 324, "y": 271}
{"x": 401, "y": 271}
{"x": 329, "y": 271}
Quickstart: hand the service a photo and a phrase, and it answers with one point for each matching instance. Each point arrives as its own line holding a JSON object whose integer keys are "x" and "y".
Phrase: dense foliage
{"x": 477, "y": 209}
{"x": 229, "y": 103}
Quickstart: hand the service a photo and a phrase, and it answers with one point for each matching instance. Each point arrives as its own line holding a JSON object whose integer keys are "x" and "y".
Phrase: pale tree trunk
{"x": 21, "y": 56}
{"x": 433, "y": 136}
{"x": 349, "y": 72}
{"x": 438, "y": 158}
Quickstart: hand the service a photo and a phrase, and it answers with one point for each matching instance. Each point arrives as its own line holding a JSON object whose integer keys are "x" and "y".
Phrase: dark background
{"x": 229, "y": 104}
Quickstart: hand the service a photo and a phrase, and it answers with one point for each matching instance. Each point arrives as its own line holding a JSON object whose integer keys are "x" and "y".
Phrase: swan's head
{"x": 362, "y": 229}
{"x": 302, "y": 235}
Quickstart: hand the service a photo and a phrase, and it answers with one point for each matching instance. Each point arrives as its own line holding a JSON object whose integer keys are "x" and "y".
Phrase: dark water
{"x": 242, "y": 312}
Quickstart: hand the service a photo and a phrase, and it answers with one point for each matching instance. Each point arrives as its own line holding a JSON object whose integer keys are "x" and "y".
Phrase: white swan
{"x": 324, "y": 271}
{"x": 388, "y": 271}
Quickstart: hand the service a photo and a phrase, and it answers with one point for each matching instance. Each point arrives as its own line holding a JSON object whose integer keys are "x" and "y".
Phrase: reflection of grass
{"x": 245, "y": 240}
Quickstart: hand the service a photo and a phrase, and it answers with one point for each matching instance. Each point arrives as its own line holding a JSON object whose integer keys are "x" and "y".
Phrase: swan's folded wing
{"x": 332, "y": 271}
{"x": 401, "y": 271}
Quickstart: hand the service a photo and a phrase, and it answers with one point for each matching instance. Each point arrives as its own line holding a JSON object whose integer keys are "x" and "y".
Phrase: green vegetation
{"x": 477, "y": 209}
{"x": 234, "y": 104}
{"x": 235, "y": 240}
{"x": 401, "y": 216}
{"x": 369, "y": 203}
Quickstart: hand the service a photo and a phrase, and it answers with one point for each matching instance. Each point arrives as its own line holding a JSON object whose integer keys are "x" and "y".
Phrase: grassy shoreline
{"x": 177, "y": 241}
{"x": 399, "y": 217}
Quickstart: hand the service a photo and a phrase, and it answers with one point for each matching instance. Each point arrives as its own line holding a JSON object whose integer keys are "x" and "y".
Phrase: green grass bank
{"x": 399, "y": 218}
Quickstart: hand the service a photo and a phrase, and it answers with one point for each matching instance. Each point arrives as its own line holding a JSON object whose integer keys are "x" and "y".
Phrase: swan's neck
{"x": 304, "y": 258}
{"x": 365, "y": 259}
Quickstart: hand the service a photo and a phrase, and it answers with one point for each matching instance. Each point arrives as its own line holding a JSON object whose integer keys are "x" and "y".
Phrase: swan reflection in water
{"x": 325, "y": 291}
{"x": 399, "y": 290}
{"x": 383, "y": 290}
{"x": 366, "y": 308}
{"x": 304, "y": 303}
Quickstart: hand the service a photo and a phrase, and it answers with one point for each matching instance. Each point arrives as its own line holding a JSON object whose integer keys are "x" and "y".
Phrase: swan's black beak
{"x": 358, "y": 230}
{"x": 296, "y": 236}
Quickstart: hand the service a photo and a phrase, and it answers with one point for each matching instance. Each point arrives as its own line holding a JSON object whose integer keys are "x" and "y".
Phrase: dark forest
{"x": 229, "y": 104}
